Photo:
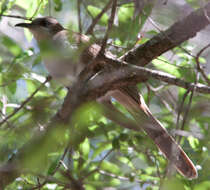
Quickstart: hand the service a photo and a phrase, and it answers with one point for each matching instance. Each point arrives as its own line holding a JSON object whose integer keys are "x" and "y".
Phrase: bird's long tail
{"x": 134, "y": 103}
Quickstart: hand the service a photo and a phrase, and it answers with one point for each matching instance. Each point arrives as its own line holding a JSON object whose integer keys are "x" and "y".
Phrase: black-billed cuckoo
{"x": 65, "y": 54}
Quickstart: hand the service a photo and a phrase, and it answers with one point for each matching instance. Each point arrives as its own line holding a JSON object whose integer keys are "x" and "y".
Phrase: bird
{"x": 66, "y": 53}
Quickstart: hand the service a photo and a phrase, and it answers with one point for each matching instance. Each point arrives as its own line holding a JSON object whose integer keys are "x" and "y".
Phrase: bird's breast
{"x": 65, "y": 71}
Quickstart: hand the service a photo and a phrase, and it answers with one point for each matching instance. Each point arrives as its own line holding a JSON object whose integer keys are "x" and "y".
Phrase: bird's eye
{"x": 44, "y": 23}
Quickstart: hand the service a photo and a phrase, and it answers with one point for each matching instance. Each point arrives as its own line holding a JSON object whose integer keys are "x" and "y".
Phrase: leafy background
{"x": 103, "y": 155}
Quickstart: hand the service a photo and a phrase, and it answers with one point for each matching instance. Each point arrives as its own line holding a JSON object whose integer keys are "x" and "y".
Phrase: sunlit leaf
{"x": 110, "y": 167}
{"x": 95, "y": 11}
{"x": 125, "y": 13}
{"x": 85, "y": 148}
{"x": 194, "y": 142}
{"x": 89, "y": 187}
{"x": 114, "y": 182}
{"x": 163, "y": 64}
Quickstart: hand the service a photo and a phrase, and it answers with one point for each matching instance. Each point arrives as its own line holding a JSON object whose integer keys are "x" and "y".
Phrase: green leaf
{"x": 58, "y": 5}
{"x": 127, "y": 23}
{"x": 3, "y": 6}
{"x": 114, "y": 182}
{"x": 100, "y": 148}
{"x": 25, "y": 4}
{"x": 12, "y": 87}
{"x": 163, "y": 64}
{"x": 28, "y": 34}
{"x": 205, "y": 185}
{"x": 202, "y": 60}
{"x": 194, "y": 142}
{"x": 173, "y": 184}
{"x": 123, "y": 160}
{"x": 146, "y": 12}
{"x": 31, "y": 87}
{"x": 89, "y": 187}
{"x": 115, "y": 143}
{"x": 146, "y": 177}
{"x": 85, "y": 148}
{"x": 53, "y": 166}
{"x": 194, "y": 3}
{"x": 6, "y": 5}
{"x": 14, "y": 73}
{"x": 123, "y": 137}
{"x": 125, "y": 13}
{"x": 110, "y": 167}
{"x": 94, "y": 11}
{"x": 139, "y": 163}
{"x": 11, "y": 45}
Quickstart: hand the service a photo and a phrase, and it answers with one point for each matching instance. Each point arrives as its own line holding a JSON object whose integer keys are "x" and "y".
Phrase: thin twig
{"x": 188, "y": 107}
{"x": 40, "y": 185}
{"x": 99, "y": 165}
{"x": 37, "y": 9}
{"x": 25, "y": 101}
{"x": 97, "y": 18}
{"x": 16, "y": 16}
{"x": 49, "y": 7}
{"x": 119, "y": 177}
{"x": 180, "y": 108}
{"x": 49, "y": 179}
{"x": 75, "y": 184}
{"x": 199, "y": 68}
{"x": 110, "y": 23}
{"x": 38, "y": 181}
{"x": 79, "y": 15}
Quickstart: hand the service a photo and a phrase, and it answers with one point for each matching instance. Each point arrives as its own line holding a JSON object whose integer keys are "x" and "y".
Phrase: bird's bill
{"x": 24, "y": 25}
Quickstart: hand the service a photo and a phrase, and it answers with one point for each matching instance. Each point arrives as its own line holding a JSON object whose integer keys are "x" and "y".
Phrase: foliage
{"x": 96, "y": 151}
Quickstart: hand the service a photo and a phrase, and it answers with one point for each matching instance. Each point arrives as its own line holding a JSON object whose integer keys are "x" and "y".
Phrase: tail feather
{"x": 164, "y": 141}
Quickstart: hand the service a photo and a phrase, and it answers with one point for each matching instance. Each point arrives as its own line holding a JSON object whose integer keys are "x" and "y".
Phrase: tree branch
{"x": 129, "y": 74}
{"x": 179, "y": 32}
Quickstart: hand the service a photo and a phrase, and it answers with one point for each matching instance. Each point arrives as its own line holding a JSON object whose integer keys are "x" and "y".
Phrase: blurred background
{"x": 103, "y": 155}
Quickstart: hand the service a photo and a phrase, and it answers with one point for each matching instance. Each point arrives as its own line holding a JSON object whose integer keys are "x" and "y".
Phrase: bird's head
{"x": 43, "y": 28}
